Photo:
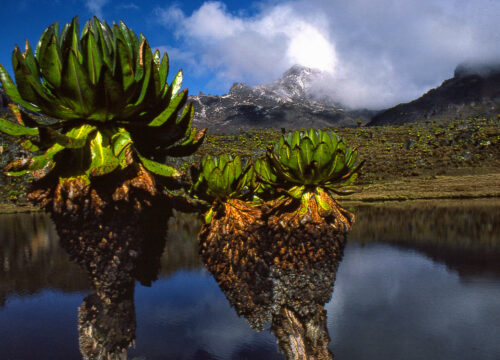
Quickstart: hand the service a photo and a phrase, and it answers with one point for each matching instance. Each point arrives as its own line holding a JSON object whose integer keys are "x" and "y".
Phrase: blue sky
{"x": 26, "y": 19}
{"x": 373, "y": 53}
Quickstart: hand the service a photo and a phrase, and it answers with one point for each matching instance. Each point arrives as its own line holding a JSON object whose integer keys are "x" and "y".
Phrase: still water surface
{"x": 414, "y": 283}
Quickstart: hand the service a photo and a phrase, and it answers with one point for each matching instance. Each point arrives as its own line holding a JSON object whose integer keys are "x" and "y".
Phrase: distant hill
{"x": 285, "y": 103}
{"x": 473, "y": 91}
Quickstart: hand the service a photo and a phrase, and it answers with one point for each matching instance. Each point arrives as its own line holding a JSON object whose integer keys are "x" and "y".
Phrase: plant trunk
{"x": 230, "y": 247}
{"x": 301, "y": 232}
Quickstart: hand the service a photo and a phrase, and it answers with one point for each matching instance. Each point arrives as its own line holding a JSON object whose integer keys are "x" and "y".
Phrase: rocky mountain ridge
{"x": 284, "y": 103}
{"x": 474, "y": 90}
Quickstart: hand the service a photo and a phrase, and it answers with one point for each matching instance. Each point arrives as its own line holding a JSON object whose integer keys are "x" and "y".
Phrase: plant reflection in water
{"x": 464, "y": 252}
{"x": 286, "y": 283}
{"x": 106, "y": 318}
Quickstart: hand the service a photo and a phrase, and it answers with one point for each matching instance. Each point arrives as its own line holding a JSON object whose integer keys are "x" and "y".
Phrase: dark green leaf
{"x": 323, "y": 158}
{"x": 71, "y": 40}
{"x": 164, "y": 71}
{"x": 128, "y": 38}
{"x": 92, "y": 58}
{"x": 11, "y": 90}
{"x": 14, "y": 129}
{"x": 159, "y": 169}
{"x": 186, "y": 120}
{"x": 306, "y": 151}
{"x": 144, "y": 70}
{"x": 28, "y": 84}
{"x": 63, "y": 34}
{"x": 170, "y": 113}
{"x": 43, "y": 40}
{"x": 30, "y": 61}
{"x": 76, "y": 86}
{"x": 50, "y": 62}
{"x": 135, "y": 43}
{"x": 104, "y": 43}
{"x": 113, "y": 94}
{"x": 124, "y": 65}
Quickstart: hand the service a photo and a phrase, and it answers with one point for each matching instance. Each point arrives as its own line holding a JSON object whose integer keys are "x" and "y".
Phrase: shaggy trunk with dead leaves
{"x": 299, "y": 233}
{"x": 105, "y": 225}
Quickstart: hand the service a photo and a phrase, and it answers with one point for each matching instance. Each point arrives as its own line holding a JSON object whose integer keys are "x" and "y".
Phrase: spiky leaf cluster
{"x": 108, "y": 95}
{"x": 221, "y": 178}
{"x": 307, "y": 160}
{"x": 218, "y": 180}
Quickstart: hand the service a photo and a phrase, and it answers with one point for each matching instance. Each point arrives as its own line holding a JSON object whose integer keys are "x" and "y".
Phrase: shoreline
{"x": 400, "y": 192}
{"x": 440, "y": 187}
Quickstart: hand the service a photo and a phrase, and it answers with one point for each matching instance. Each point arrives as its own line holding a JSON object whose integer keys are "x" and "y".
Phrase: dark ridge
{"x": 473, "y": 91}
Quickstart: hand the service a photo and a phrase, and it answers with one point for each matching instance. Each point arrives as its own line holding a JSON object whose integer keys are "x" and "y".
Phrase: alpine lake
{"x": 416, "y": 280}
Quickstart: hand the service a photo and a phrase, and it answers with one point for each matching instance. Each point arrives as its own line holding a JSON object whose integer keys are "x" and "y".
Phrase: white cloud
{"x": 376, "y": 52}
{"x": 127, "y": 6}
{"x": 95, "y": 6}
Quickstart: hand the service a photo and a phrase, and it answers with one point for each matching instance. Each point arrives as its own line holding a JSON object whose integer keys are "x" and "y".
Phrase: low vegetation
{"x": 423, "y": 149}
{"x": 416, "y": 152}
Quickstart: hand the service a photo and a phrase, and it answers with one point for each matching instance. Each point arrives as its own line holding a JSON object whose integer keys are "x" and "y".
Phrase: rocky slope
{"x": 473, "y": 91}
{"x": 285, "y": 103}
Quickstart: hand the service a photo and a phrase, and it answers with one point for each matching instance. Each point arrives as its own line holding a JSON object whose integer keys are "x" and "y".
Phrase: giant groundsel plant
{"x": 233, "y": 223}
{"x": 109, "y": 105}
{"x": 311, "y": 166}
{"x": 221, "y": 180}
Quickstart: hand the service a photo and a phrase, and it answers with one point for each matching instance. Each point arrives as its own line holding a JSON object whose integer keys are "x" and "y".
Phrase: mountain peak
{"x": 299, "y": 70}
{"x": 286, "y": 102}
{"x": 294, "y": 84}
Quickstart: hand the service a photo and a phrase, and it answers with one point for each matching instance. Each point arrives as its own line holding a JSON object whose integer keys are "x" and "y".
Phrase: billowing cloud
{"x": 254, "y": 50}
{"x": 374, "y": 53}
